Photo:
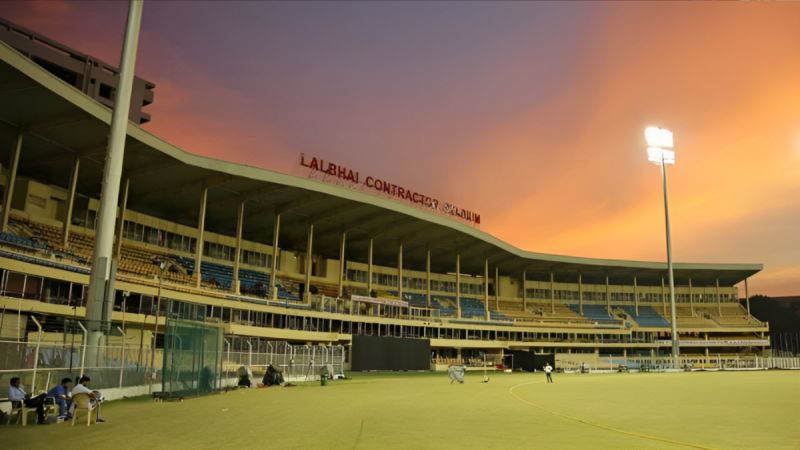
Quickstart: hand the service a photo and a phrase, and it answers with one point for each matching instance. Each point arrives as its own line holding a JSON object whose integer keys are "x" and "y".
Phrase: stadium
{"x": 221, "y": 267}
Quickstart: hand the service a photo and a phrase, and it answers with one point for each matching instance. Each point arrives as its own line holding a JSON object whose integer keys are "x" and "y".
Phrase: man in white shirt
{"x": 18, "y": 397}
{"x": 83, "y": 388}
{"x": 548, "y": 370}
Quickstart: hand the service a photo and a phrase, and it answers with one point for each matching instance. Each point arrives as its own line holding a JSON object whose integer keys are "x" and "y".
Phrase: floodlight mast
{"x": 659, "y": 151}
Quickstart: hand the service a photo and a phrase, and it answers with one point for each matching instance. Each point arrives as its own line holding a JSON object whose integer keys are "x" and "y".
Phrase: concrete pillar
{"x": 747, "y": 296}
{"x": 201, "y": 229}
{"x": 8, "y": 195}
{"x": 497, "y": 288}
{"x": 486, "y": 289}
{"x": 400, "y": 272}
{"x": 524, "y": 292}
{"x": 121, "y": 222}
{"x": 458, "y": 285}
{"x": 276, "y": 231}
{"x": 73, "y": 185}
{"x": 238, "y": 256}
{"x": 309, "y": 266}
{"x": 341, "y": 264}
{"x": 428, "y": 276}
{"x": 369, "y": 269}
{"x": 635, "y": 296}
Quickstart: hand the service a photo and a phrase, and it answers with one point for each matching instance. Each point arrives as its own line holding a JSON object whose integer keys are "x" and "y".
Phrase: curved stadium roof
{"x": 61, "y": 123}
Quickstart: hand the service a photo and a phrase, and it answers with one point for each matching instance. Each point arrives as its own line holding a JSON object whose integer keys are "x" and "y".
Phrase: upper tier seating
{"x": 220, "y": 276}
{"x": 43, "y": 244}
{"x": 647, "y": 317}
{"x": 597, "y": 313}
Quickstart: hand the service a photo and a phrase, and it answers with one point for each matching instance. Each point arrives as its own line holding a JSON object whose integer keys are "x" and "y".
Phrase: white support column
{"x": 428, "y": 276}
{"x": 635, "y": 296}
{"x": 98, "y": 307}
{"x": 369, "y": 268}
{"x": 11, "y": 179}
{"x": 486, "y": 288}
{"x": 458, "y": 285}
{"x": 400, "y": 272}
{"x": 309, "y": 265}
{"x": 524, "y": 292}
{"x": 747, "y": 297}
{"x": 497, "y": 288}
{"x": 121, "y": 222}
{"x": 276, "y": 231}
{"x": 238, "y": 256}
{"x": 201, "y": 228}
{"x": 73, "y": 184}
{"x": 341, "y": 264}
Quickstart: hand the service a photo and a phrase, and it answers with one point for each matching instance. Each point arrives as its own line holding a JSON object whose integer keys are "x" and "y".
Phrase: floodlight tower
{"x": 660, "y": 151}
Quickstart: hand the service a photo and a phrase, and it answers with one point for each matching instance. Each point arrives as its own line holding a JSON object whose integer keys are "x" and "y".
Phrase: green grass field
{"x": 753, "y": 410}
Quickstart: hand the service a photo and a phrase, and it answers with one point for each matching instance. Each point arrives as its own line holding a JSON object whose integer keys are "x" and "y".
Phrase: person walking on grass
{"x": 548, "y": 369}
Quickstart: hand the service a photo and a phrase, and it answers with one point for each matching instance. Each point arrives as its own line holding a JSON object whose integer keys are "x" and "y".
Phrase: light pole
{"x": 660, "y": 152}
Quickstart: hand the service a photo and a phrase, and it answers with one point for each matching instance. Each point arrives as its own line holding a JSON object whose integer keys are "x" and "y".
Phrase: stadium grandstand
{"x": 270, "y": 257}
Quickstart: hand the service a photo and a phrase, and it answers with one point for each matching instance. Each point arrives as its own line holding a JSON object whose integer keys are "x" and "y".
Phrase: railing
{"x": 659, "y": 363}
{"x": 297, "y": 362}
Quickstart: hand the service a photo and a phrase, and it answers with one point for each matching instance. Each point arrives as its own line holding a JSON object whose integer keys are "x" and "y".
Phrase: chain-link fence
{"x": 113, "y": 359}
{"x": 46, "y": 349}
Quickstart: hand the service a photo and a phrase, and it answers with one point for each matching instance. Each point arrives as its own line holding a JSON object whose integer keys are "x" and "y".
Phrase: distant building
{"x": 94, "y": 77}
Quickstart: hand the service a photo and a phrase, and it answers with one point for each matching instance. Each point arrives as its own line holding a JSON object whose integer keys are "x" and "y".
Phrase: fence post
{"x": 83, "y": 346}
{"x": 121, "y": 358}
{"x": 36, "y": 355}
{"x": 228, "y": 358}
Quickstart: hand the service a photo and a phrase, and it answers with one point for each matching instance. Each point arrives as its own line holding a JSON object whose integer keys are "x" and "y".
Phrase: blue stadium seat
{"x": 647, "y": 317}
{"x": 597, "y": 313}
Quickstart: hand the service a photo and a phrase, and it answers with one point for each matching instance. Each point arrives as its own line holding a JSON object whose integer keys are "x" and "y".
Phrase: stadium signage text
{"x": 392, "y": 190}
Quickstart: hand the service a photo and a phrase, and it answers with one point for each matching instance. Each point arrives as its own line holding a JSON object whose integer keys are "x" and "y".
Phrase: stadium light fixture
{"x": 660, "y": 150}
{"x": 658, "y": 137}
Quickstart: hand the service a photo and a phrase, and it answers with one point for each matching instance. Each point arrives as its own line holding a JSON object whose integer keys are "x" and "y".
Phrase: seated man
{"x": 61, "y": 395}
{"x": 18, "y": 397}
{"x": 272, "y": 377}
{"x": 83, "y": 388}
{"x": 244, "y": 377}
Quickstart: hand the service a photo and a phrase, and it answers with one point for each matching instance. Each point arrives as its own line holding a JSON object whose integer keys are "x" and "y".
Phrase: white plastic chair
{"x": 83, "y": 402}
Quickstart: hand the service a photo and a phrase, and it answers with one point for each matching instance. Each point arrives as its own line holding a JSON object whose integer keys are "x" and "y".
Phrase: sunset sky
{"x": 531, "y": 114}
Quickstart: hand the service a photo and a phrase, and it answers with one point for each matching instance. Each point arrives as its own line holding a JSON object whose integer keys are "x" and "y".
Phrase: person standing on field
{"x": 548, "y": 369}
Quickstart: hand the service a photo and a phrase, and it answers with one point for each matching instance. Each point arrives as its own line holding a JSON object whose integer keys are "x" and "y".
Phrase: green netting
{"x": 192, "y": 357}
